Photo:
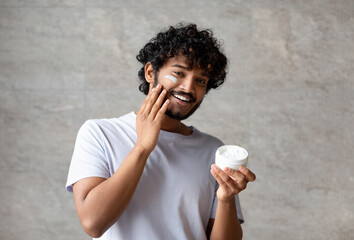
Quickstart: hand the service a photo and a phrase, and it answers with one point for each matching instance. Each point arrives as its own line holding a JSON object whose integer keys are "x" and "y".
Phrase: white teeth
{"x": 182, "y": 98}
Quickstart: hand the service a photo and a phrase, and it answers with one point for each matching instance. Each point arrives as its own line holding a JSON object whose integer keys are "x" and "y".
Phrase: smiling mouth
{"x": 183, "y": 98}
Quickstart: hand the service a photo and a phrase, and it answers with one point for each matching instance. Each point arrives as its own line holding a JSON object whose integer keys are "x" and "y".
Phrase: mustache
{"x": 189, "y": 95}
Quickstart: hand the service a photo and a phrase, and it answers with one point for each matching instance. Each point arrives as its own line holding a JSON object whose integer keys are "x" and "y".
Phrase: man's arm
{"x": 226, "y": 224}
{"x": 100, "y": 202}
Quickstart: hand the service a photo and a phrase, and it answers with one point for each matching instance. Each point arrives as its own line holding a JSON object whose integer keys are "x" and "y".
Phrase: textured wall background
{"x": 288, "y": 99}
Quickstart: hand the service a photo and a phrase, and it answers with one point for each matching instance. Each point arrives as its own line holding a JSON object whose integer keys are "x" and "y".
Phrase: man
{"x": 146, "y": 175}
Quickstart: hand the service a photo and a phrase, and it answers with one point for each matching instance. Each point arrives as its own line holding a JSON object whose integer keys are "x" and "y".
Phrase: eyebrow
{"x": 181, "y": 66}
{"x": 188, "y": 69}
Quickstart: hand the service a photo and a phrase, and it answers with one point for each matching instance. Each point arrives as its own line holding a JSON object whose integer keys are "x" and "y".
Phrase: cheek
{"x": 171, "y": 78}
{"x": 200, "y": 92}
{"x": 167, "y": 83}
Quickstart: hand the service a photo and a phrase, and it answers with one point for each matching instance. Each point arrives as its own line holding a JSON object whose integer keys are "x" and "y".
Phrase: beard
{"x": 177, "y": 115}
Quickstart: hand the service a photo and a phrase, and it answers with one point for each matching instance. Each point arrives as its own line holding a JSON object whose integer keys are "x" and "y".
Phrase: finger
{"x": 236, "y": 175}
{"x": 158, "y": 103}
{"x": 152, "y": 99}
{"x": 225, "y": 179}
{"x": 146, "y": 100}
{"x": 250, "y": 176}
{"x": 239, "y": 178}
{"x": 162, "y": 110}
{"x": 216, "y": 176}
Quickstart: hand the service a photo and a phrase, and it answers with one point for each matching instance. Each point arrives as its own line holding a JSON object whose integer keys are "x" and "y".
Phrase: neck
{"x": 176, "y": 126}
{"x": 172, "y": 125}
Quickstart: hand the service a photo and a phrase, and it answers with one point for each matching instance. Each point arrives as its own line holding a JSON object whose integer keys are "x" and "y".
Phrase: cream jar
{"x": 231, "y": 156}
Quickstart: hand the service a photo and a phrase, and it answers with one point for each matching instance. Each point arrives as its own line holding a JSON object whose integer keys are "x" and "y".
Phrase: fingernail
{"x": 242, "y": 168}
{"x": 228, "y": 170}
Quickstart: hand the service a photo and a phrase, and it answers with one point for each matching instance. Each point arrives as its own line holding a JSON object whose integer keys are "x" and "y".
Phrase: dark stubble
{"x": 177, "y": 116}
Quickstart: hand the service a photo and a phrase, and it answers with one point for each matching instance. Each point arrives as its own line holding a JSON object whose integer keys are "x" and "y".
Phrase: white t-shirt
{"x": 176, "y": 195}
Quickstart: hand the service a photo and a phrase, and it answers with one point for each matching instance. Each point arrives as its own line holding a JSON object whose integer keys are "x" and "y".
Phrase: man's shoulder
{"x": 127, "y": 118}
{"x": 209, "y": 138}
{"x": 102, "y": 124}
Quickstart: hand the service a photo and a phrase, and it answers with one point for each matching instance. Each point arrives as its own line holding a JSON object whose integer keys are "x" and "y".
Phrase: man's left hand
{"x": 231, "y": 182}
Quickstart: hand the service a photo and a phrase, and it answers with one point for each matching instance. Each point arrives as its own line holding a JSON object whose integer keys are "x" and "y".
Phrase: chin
{"x": 176, "y": 116}
{"x": 179, "y": 116}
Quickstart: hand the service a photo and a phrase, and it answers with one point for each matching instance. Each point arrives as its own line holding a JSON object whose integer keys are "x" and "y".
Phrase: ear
{"x": 149, "y": 73}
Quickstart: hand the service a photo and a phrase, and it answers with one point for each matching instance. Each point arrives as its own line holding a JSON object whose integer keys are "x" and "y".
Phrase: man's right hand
{"x": 149, "y": 118}
{"x": 100, "y": 202}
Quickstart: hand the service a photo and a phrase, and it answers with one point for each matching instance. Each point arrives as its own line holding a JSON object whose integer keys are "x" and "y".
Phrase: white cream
{"x": 231, "y": 156}
{"x": 172, "y": 78}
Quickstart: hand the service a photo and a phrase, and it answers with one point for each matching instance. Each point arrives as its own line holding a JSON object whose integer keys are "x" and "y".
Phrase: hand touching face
{"x": 186, "y": 85}
{"x": 149, "y": 118}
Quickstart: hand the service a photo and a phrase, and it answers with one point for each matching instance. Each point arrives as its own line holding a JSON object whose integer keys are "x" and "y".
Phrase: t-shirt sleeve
{"x": 89, "y": 159}
{"x": 238, "y": 207}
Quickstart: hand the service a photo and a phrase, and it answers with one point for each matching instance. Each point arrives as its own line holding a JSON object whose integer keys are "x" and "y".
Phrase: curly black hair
{"x": 199, "y": 47}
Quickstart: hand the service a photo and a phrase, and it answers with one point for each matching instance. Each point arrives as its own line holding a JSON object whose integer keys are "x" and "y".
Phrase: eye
{"x": 201, "y": 81}
{"x": 178, "y": 73}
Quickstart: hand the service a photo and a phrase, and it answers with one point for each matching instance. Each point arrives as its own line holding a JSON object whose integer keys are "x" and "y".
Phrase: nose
{"x": 187, "y": 85}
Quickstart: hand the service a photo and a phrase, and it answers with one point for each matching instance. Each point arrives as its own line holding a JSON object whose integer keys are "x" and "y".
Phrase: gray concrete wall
{"x": 288, "y": 99}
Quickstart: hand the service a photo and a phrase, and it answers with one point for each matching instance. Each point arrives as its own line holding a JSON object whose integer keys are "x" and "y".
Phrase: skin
{"x": 100, "y": 202}
{"x": 190, "y": 83}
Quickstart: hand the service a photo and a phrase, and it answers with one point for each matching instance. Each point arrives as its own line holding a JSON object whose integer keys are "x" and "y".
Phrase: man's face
{"x": 187, "y": 88}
